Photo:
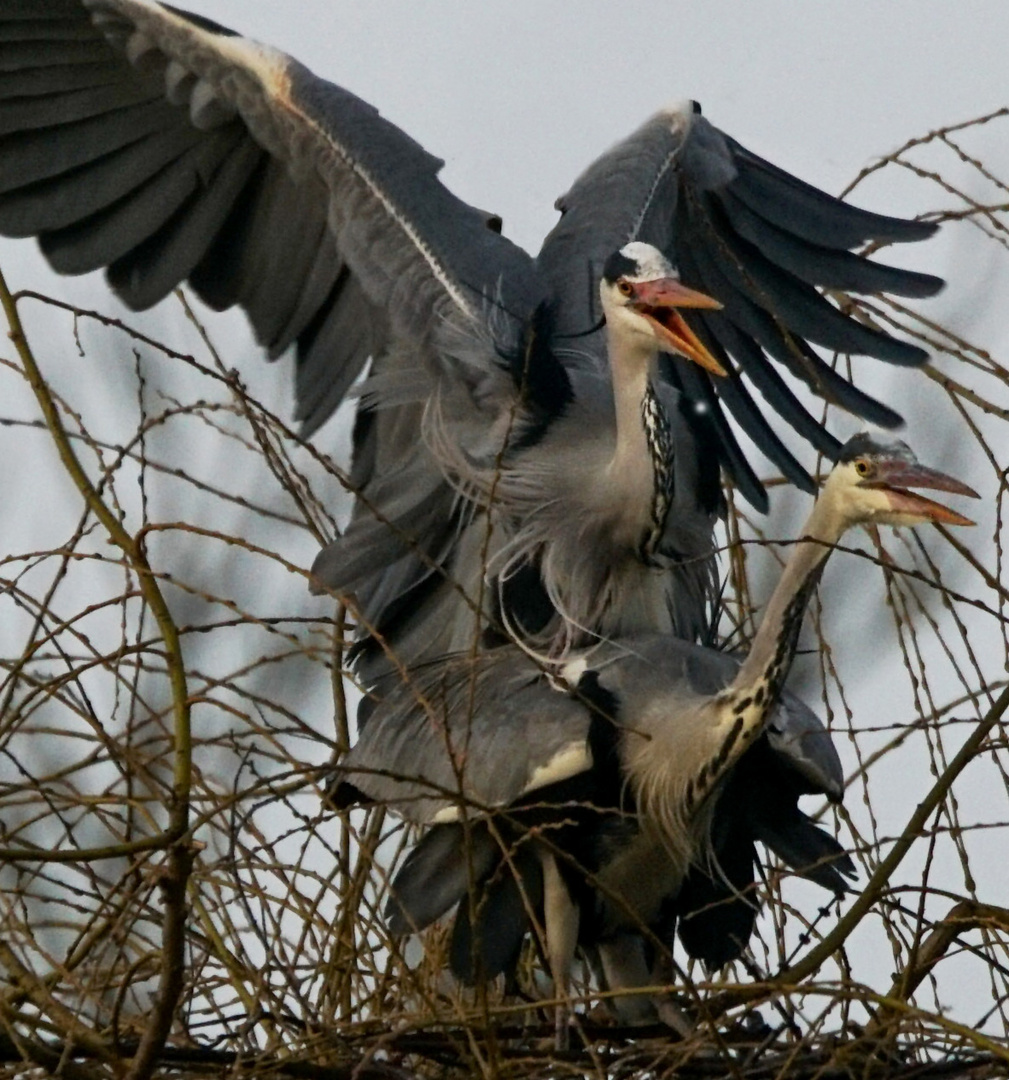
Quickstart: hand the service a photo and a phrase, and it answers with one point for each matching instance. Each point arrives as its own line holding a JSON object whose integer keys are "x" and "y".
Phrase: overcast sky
{"x": 519, "y": 95}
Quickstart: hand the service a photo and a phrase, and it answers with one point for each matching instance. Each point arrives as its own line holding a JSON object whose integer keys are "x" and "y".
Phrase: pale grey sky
{"x": 519, "y": 95}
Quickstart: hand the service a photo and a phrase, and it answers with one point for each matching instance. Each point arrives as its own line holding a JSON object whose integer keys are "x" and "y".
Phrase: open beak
{"x": 658, "y": 300}
{"x": 895, "y": 477}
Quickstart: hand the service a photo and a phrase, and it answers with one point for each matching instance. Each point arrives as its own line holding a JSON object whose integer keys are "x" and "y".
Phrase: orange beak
{"x": 658, "y": 301}
{"x": 895, "y": 477}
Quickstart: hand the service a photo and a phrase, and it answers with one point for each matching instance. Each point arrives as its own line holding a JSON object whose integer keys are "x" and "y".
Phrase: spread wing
{"x": 165, "y": 148}
{"x": 760, "y": 241}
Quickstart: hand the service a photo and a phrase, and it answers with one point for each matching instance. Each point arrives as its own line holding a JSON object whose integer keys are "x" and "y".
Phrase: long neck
{"x": 630, "y": 361}
{"x": 642, "y": 457}
{"x": 775, "y": 642}
{"x": 738, "y": 713}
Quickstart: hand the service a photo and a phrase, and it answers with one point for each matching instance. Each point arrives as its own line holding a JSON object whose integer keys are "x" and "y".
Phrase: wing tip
{"x": 905, "y": 230}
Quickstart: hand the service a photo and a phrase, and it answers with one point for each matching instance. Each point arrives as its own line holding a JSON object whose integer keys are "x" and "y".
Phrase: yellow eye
{"x": 862, "y": 467}
{"x": 625, "y": 288}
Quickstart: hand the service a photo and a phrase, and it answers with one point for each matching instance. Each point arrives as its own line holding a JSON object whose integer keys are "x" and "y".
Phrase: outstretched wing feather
{"x": 156, "y": 143}
{"x": 758, "y": 240}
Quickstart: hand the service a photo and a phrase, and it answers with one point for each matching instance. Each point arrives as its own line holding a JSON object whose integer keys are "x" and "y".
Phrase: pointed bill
{"x": 896, "y": 477}
{"x": 658, "y": 301}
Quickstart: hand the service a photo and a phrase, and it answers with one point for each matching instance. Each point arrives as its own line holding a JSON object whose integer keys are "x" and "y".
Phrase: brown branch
{"x": 179, "y": 860}
{"x": 820, "y": 953}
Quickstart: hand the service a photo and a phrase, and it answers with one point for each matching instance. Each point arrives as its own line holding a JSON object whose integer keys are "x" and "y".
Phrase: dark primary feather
{"x": 95, "y": 161}
{"x": 812, "y": 214}
{"x": 819, "y": 265}
{"x": 753, "y": 422}
{"x": 165, "y": 148}
{"x": 494, "y": 917}
{"x": 730, "y": 454}
{"x": 751, "y": 278}
{"x": 443, "y": 866}
{"x": 756, "y": 238}
{"x": 108, "y": 173}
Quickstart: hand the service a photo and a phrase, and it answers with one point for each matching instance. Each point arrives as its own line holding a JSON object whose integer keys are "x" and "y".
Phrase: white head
{"x": 640, "y": 292}
{"x": 869, "y": 485}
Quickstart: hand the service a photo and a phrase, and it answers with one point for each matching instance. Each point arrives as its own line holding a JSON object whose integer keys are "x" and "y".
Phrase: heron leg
{"x": 560, "y": 924}
{"x": 624, "y": 967}
{"x": 669, "y": 1012}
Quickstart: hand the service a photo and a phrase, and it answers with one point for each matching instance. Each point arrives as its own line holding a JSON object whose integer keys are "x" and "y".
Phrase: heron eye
{"x": 625, "y": 288}
{"x": 862, "y": 467}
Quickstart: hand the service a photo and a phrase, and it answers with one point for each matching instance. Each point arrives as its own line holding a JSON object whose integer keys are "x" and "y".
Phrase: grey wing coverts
{"x": 485, "y": 739}
{"x": 166, "y": 148}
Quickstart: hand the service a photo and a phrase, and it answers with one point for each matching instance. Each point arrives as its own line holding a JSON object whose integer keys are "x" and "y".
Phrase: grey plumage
{"x": 650, "y": 781}
{"x": 167, "y": 148}
{"x": 472, "y": 735}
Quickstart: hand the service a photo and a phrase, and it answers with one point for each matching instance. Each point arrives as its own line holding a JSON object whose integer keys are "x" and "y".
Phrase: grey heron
{"x": 166, "y": 148}
{"x": 620, "y": 779}
{"x": 531, "y": 758}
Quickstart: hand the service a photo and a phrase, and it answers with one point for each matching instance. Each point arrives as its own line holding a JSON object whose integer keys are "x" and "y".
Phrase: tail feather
{"x": 716, "y": 909}
{"x": 808, "y": 850}
{"x": 489, "y": 930}
{"x": 437, "y": 874}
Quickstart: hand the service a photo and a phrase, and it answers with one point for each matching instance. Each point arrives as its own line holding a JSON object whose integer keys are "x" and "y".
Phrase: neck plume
{"x": 674, "y": 785}
{"x": 642, "y": 455}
